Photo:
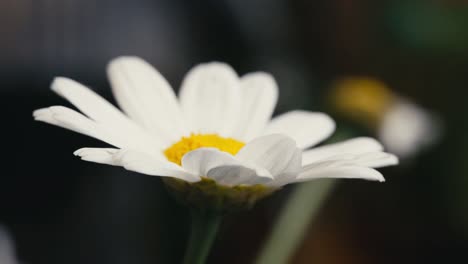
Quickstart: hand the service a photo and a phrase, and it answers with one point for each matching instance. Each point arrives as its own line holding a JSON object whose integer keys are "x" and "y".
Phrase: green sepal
{"x": 209, "y": 195}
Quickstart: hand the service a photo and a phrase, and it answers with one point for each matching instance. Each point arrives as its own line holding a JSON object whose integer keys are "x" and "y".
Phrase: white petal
{"x": 88, "y": 102}
{"x": 222, "y": 167}
{"x": 276, "y": 153}
{"x": 70, "y": 119}
{"x": 349, "y": 172}
{"x": 239, "y": 175}
{"x": 98, "y": 155}
{"x": 376, "y": 159}
{"x": 201, "y": 160}
{"x": 101, "y": 111}
{"x": 210, "y": 98}
{"x": 369, "y": 159}
{"x": 146, "y": 97}
{"x": 307, "y": 128}
{"x": 288, "y": 175}
{"x": 135, "y": 161}
{"x": 143, "y": 163}
{"x": 259, "y": 97}
{"x": 352, "y": 146}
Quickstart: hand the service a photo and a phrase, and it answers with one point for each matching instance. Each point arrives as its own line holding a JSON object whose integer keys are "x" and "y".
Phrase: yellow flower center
{"x": 365, "y": 100}
{"x": 207, "y": 193}
{"x": 175, "y": 152}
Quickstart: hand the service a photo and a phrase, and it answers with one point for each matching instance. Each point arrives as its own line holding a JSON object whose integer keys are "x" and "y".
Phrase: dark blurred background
{"x": 62, "y": 210}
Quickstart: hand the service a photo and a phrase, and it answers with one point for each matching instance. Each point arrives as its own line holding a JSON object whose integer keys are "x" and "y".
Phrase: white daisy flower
{"x": 421, "y": 128}
{"x": 404, "y": 127}
{"x": 216, "y": 135}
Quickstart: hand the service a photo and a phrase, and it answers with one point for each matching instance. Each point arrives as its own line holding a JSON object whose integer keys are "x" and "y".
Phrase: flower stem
{"x": 297, "y": 214}
{"x": 203, "y": 231}
{"x": 291, "y": 226}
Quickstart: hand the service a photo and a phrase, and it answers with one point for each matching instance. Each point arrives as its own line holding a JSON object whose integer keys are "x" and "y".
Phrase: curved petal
{"x": 88, "y": 102}
{"x": 352, "y": 146}
{"x": 238, "y": 174}
{"x": 259, "y": 98}
{"x": 201, "y": 160}
{"x": 369, "y": 159}
{"x": 70, "y": 119}
{"x": 210, "y": 98}
{"x": 146, "y": 97}
{"x": 99, "y": 110}
{"x": 348, "y": 172}
{"x": 376, "y": 159}
{"x": 98, "y": 155}
{"x": 135, "y": 161}
{"x": 276, "y": 153}
{"x": 222, "y": 167}
{"x": 142, "y": 163}
{"x": 307, "y": 128}
{"x": 67, "y": 118}
{"x": 288, "y": 175}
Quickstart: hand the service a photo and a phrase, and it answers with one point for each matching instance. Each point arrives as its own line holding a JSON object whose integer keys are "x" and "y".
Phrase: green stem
{"x": 203, "y": 231}
{"x": 295, "y": 217}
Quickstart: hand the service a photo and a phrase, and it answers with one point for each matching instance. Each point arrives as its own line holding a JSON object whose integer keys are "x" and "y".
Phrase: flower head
{"x": 404, "y": 127}
{"x": 216, "y": 140}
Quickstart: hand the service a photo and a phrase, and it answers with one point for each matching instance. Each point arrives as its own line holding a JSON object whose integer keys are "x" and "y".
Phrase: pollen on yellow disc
{"x": 364, "y": 99}
{"x": 175, "y": 152}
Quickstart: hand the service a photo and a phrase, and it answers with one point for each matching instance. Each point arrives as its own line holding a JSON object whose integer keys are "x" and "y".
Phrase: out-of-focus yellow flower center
{"x": 175, "y": 152}
{"x": 363, "y": 99}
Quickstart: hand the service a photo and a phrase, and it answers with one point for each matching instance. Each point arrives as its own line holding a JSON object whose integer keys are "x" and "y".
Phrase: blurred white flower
{"x": 403, "y": 127}
{"x": 7, "y": 248}
{"x": 200, "y": 135}
{"x": 407, "y": 128}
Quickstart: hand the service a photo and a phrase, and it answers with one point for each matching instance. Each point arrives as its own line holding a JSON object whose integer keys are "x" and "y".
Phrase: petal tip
{"x": 124, "y": 60}
{"x": 78, "y": 152}
{"x": 39, "y": 112}
{"x": 377, "y": 145}
{"x": 214, "y": 67}
{"x": 394, "y": 160}
{"x": 43, "y": 115}
{"x": 59, "y": 83}
{"x": 381, "y": 179}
